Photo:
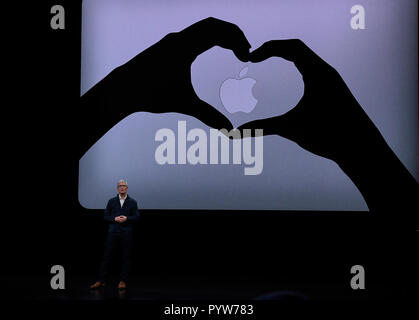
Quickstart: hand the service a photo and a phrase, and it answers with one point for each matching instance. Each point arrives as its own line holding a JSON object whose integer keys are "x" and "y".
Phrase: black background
{"x": 44, "y": 224}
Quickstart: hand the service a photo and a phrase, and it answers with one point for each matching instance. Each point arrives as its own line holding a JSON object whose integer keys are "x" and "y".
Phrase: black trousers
{"x": 117, "y": 243}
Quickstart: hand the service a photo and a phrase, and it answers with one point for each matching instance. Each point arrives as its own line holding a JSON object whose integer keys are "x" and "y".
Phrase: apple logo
{"x": 236, "y": 94}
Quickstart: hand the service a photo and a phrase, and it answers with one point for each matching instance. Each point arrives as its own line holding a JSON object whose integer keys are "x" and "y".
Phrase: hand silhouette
{"x": 159, "y": 80}
{"x": 329, "y": 122}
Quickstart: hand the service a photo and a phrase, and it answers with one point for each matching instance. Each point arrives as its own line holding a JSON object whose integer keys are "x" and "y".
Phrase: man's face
{"x": 122, "y": 188}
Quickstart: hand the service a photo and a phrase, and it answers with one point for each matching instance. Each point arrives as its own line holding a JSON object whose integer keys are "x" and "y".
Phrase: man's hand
{"x": 120, "y": 219}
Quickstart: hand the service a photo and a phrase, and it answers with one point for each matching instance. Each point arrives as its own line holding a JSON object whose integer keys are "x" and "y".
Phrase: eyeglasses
{"x": 122, "y": 186}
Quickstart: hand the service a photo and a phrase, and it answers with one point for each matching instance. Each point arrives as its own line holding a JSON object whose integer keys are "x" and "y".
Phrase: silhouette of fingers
{"x": 211, "y": 32}
{"x": 293, "y": 50}
{"x": 282, "y": 125}
{"x": 209, "y": 115}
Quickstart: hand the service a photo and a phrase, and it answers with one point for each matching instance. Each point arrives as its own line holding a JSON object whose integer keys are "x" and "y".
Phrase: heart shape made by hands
{"x": 246, "y": 91}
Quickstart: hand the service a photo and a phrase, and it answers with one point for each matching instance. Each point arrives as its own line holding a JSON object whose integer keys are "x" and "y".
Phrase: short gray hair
{"x": 122, "y": 180}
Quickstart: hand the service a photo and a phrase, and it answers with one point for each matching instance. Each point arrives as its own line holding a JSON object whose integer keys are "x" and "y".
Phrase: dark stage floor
{"x": 184, "y": 288}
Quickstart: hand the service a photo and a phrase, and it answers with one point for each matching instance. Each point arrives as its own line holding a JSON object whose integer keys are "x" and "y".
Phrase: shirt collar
{"x": 119, "y": 197}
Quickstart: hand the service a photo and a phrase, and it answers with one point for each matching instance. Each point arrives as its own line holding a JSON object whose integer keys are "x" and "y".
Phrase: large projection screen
{"x": 379, "y": 65}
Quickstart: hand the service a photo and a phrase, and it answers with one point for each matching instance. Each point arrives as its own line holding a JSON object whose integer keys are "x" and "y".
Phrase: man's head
{"x": 122, "y": 187}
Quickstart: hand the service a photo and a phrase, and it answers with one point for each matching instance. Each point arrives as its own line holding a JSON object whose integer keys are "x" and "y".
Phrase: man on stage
{"x": 121, "y": 212}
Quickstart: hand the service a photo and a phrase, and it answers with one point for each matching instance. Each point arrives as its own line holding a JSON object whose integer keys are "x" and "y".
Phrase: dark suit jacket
{"x": 129, "y": 209}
